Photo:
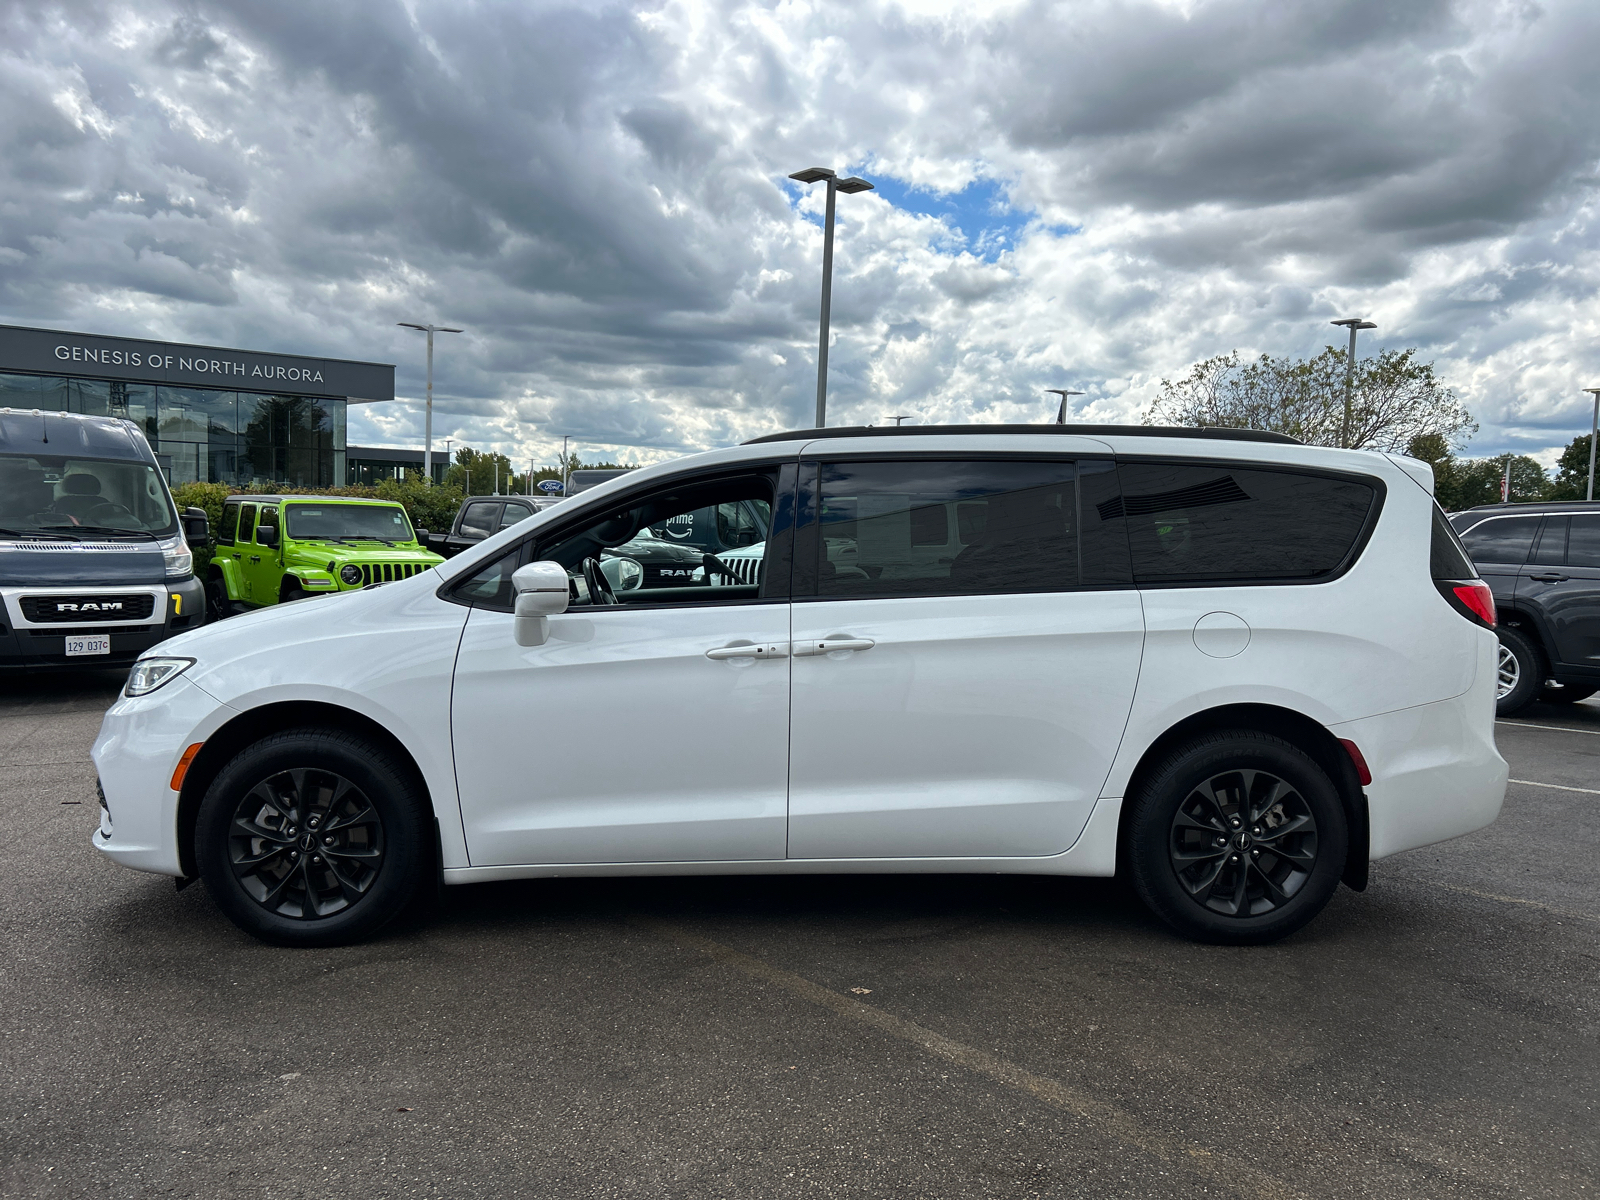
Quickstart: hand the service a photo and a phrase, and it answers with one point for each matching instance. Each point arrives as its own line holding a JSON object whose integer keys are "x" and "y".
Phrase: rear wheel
{"x": 312, "y": 838}
{"x": 1237, "y": 837}
{"x": 1520, "y": 672}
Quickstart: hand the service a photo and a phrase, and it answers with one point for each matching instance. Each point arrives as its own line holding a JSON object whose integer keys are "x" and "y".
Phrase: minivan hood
{"x": 49, "y": 562}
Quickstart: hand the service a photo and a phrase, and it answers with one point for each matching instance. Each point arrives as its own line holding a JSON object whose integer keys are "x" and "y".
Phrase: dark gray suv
{"x": 1542, "y": 561}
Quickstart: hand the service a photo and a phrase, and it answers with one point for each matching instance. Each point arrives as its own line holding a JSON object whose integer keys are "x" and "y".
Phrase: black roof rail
{"x": 1209, "y": 432}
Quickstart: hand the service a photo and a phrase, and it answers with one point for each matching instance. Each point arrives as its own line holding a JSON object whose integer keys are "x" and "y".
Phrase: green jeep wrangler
{"x": 276, "y": 548}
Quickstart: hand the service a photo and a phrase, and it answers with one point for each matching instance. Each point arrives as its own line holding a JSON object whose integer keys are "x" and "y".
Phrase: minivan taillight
{"x": 1478, "y": 598}
{"x": 1469, "y": 597}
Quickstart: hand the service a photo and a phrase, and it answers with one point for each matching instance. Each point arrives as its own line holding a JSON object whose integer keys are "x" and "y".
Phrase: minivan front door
{"x": 961, "y": 681}
{"x": 651, "y": 729}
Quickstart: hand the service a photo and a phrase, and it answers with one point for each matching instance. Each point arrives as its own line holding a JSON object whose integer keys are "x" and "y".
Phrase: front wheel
{"x": 218, "y": 605}
{"x": 1520, "y": 673}
{"x": 312, "y": 838}
{"x": 1237, "y": 837}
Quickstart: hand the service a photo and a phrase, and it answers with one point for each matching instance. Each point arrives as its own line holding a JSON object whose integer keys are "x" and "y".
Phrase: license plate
{"x": 88, "y": 645}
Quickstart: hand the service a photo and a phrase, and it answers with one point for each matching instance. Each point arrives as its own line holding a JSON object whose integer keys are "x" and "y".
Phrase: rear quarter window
{"x": 1199, "y": 524}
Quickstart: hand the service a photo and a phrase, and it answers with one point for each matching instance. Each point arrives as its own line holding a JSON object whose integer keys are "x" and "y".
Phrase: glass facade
{"x": 240, "y": 438}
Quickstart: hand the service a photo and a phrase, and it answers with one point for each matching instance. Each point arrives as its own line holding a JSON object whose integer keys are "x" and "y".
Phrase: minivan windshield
{"x": 59, "y": 496}
{"x": 352, "y": 522}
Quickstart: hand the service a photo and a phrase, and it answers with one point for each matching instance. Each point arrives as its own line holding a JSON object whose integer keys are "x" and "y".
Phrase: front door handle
{"x": 829, "y": 645}
{"x": 750, "y": 650}
{"x": 1550, "y": 577}
{"x": 255, "y": 558}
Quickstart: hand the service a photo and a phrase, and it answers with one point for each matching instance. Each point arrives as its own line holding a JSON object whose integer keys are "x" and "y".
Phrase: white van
{"x": 1234, "y": 667}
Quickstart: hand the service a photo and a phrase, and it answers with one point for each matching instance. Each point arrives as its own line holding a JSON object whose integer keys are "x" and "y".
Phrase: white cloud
{"x": 597, "y": 193}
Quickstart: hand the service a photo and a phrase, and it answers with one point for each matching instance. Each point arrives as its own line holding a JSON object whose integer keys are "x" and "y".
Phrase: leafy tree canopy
{"x": 1395, "y": 399}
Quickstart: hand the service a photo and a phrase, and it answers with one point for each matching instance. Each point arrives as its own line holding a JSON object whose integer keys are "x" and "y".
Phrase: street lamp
{"x": 1354, "y": 323}
{"x": 849, "y": 186}
{"x": 1061, "y": 417}
{"x": 900, "y": 417}
{"x": 1594, "y": 425}
{"x": 427, "y": 430}
{"x": 448, "y": 442}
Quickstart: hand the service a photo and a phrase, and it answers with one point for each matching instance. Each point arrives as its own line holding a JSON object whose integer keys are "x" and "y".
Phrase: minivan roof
{"x": 1210, "y": 432}
{"x": 71, "y": 435}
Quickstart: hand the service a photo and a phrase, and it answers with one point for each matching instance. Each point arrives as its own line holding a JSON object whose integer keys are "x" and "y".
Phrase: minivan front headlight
{"x": 177, "y": 555}
{"x": 150, "y": 673}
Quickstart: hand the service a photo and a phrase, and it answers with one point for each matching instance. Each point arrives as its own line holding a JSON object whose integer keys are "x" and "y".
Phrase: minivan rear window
{"x": 1213, "y": 523}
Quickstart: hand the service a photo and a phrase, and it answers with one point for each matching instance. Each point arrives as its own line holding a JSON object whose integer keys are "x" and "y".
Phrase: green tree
{"x": 1478, "y": 481}
{"x": 1395, "y": 399}
{"x": 1572, "y": 471}
{"x": 1433, "y": 449}
{"x": 474, "y": 472}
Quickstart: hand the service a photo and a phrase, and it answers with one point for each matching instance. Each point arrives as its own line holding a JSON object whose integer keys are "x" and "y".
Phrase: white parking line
{"x": 1560, "y": 787}
{"x": 1557, "y": 728}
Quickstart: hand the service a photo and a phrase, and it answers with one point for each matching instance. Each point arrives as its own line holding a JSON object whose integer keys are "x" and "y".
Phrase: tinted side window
{"x": 1503, "y": 540}
{"x": 942, "y": 528}
{"x": 1448, "y": 557}
{"x": 267, "y": 520}
{"x": 229, "y": 525}
{"x": 514, "y": 513}
{"x": 1191, "y": 523}
{"x": 247, "y": 522}
{"x": 490, "y": 586}
{"x": 479, "y": 519}
{"x": 1583, "y": 543}
{"x": 1551, "y": 548}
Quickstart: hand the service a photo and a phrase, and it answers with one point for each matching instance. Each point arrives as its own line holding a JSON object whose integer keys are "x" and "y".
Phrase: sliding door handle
{"x": 750, "y": 650}
{"x": 829, "y": 645}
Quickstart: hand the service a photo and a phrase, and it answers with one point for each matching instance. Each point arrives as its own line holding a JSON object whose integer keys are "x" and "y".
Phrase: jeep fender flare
{"x": 229, "y": 572}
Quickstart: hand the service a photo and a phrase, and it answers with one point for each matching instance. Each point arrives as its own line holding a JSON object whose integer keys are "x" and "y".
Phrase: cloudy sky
{"x": 1082, "y": 194}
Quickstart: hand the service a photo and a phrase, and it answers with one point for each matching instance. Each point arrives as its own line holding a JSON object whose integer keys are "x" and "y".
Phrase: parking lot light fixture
{"x": 1594, "y": 427}
{"x": 427, "y": 429}
{"x": 1061, "y": 417}
{"x": 849, "y": 186}
{"x": 1354, "y": 323}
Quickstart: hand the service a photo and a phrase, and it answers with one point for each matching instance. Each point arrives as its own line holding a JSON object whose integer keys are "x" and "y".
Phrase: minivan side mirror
{"x": 542, "y": 592}
{"x": 196, "y": 526}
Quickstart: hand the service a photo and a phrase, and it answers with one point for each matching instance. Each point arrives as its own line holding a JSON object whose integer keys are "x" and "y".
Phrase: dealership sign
{"x": 52, "y": 352}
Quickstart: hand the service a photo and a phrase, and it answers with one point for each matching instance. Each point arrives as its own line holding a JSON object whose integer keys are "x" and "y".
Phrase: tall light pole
{"x": 448, "y": 442}
{"x": 427, "y": 429}
{"x": 1061, "y": 417}
{"x": 848, "y": 186}
{"x": 566, "y": 474}
{"x": 1354, "y": 323}
{"x": 898, "y": 417}
{"x": 1594, "y": 426}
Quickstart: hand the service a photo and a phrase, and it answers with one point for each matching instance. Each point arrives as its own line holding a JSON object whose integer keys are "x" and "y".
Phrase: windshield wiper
{"x": 37, "y": 533}
{"x": 105, "y": 529}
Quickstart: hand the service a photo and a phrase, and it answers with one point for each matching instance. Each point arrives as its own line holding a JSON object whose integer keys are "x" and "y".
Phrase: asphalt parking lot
{"x": 950, "y": 1036}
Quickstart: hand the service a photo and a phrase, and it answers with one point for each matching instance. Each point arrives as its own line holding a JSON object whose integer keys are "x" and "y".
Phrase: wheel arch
{"x": 1299, "y": 730}
{"x": 1531, "y": 626}
{"x": 228, "y": 572}
{"x": 254, "y": 724}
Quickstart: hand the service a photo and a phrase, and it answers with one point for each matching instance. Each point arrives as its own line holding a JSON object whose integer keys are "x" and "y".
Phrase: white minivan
{"x": 1236, "y": 668}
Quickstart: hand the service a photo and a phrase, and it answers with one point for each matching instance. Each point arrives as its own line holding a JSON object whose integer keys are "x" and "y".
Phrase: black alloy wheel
{"x": 1236, "y": 837}
{"x": 313, "y": 837}
{"x": 1243, "y": 843}
{"x": 306, "y": 843}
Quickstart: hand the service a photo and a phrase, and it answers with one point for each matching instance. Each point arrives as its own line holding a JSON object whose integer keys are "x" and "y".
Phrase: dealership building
{"x": 239, "y": 417}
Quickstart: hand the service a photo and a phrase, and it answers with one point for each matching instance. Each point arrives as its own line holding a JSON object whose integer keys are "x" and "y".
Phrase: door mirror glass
{"x": 267, "y": 536}
{"x": 542, "y": 592}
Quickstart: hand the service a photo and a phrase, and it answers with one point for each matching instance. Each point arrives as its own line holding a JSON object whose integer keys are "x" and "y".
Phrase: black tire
{"x": 1565, "y": 694}
{"x": 1520, "y": 672}
{"x": 1235, "y": 787}
{"x": 218, "y": 606}
{"x": 311, "y": 800}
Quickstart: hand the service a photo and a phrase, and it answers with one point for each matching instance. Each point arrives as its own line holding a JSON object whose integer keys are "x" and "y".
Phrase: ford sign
{"x": 550, "y": 485}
